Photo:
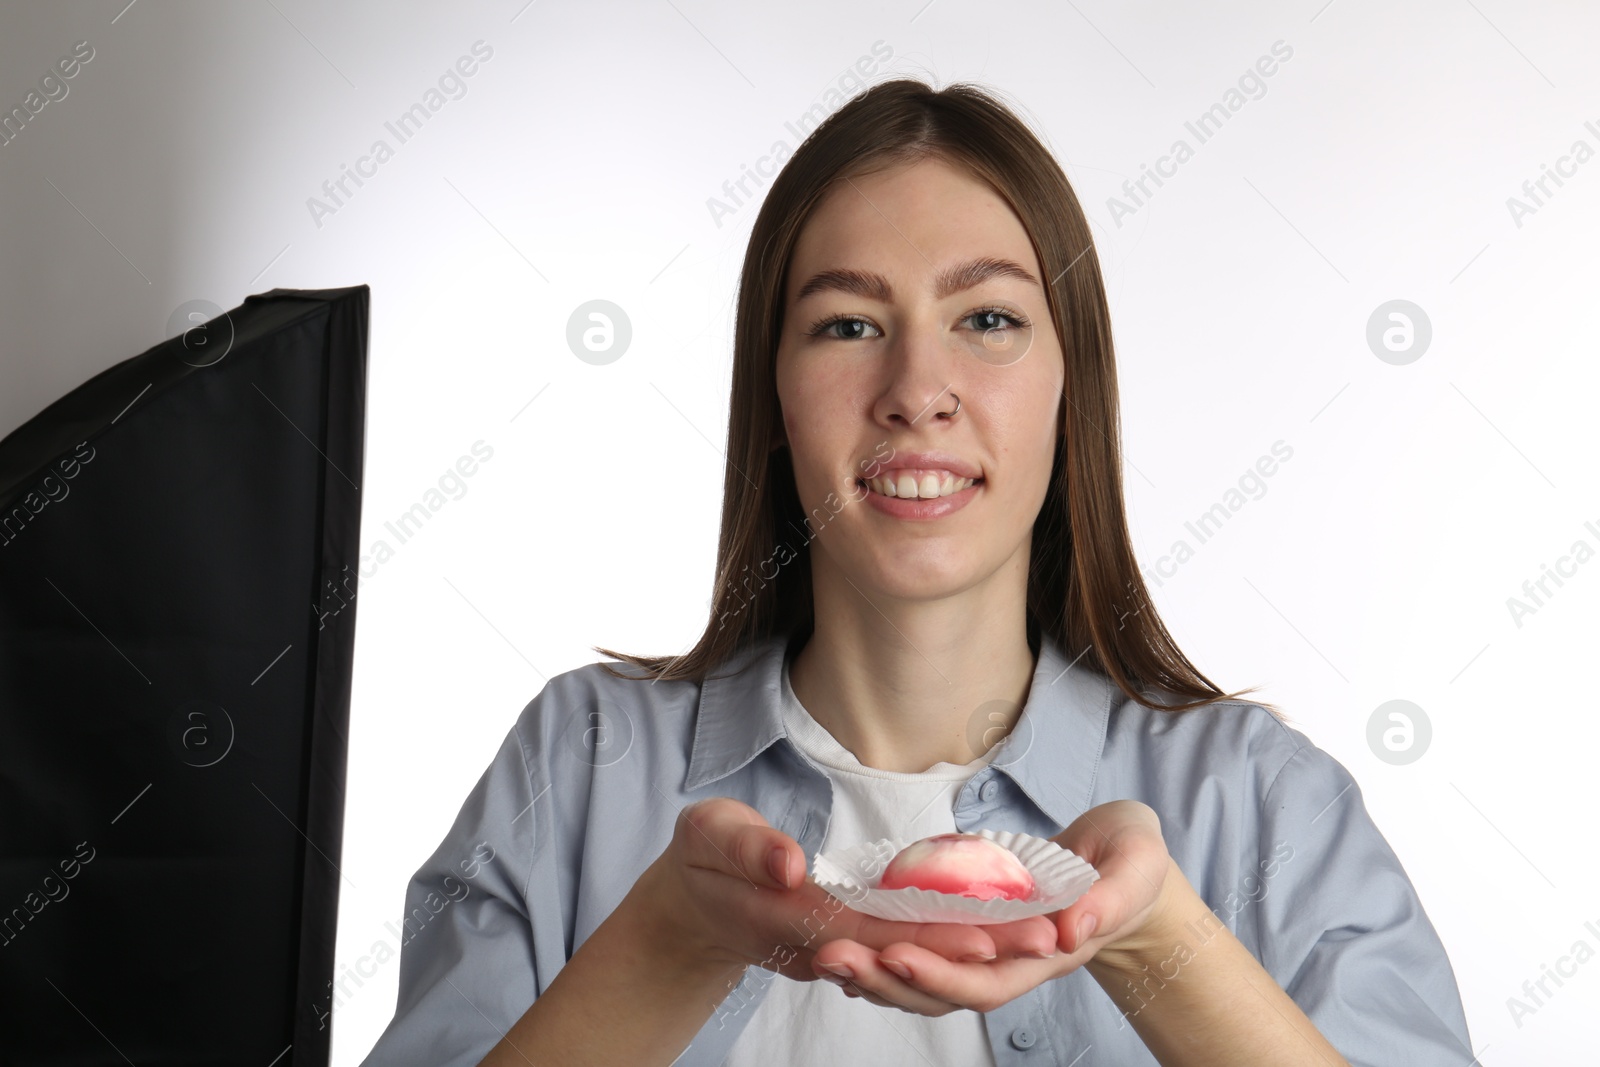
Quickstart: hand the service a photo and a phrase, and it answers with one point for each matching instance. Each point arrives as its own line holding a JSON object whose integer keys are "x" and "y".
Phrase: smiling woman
{"x": 900, "y": 256}
{"x": 924, "y": 391}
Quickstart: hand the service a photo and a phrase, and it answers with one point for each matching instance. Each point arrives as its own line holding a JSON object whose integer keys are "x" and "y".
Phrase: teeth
{"x": 930, "y": 484}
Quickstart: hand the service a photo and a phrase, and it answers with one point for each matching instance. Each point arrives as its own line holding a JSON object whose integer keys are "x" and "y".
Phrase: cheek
{"x": 811, "y": 408}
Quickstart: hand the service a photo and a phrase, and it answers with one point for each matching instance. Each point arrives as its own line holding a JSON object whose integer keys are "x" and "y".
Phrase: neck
{"x": 906, "y": 684}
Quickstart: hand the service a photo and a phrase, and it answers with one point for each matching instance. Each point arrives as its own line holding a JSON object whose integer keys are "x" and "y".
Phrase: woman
{"x": 928, "y": 618}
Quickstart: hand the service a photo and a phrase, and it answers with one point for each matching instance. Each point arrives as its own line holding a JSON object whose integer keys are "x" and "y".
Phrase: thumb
{"x": 1077, "y": 925}
{"x": 731, "y": 837}
{"x": 1118, "y": 908}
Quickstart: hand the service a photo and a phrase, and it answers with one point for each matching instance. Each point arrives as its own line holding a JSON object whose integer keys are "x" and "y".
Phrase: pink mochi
{"x": 960, "y": 864}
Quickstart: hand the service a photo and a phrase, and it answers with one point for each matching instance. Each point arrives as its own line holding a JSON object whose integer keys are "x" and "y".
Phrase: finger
{"x": 1123, "y": 841}
{"x": 792, "y": 961}
{"x": 800, "y": 968}
{"x": 1035, "y": 937}
{"x": 725, "y": 835}
{"x": 1124, "y": 895}
{"x": 954, "y": 941}
{"x": 980, "y": 987}
{"x": 870, "y": 980}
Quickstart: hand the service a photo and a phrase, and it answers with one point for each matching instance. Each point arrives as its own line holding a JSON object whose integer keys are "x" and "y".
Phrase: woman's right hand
{"x": 731, "y": 890}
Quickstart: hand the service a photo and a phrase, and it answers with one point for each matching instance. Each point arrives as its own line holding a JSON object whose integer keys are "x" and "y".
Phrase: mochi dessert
{"x": 959, "y": 864}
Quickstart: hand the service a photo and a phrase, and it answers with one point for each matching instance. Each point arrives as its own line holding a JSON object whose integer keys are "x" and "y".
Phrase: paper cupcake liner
{"x": 852, "y": 874}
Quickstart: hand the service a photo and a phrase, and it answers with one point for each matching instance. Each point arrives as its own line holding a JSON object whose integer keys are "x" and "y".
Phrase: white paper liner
{"x": 852, "y": 874}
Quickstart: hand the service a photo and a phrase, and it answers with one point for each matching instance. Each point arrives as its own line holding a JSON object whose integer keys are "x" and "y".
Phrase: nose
{"x": 921, "y": 370}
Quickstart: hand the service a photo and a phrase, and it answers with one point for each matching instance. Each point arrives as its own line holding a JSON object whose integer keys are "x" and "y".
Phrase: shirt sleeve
{"x": 467, "y": 965}
{"x": 1338, "y": 924}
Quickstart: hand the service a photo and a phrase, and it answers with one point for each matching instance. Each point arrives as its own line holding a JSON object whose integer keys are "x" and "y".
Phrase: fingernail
{"x": 898, "y": 968}
{"x": 778, "y": 864}
{"x": 1086, "y": 927}
{"x": 835, "y": 979}
{"x": 1035, "y": 954}
{"x": 840, "y": 969}
{"x": 973, "y": 957}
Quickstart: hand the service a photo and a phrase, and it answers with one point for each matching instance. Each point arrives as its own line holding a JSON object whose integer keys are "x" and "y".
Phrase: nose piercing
{"x": 952, "y": 414}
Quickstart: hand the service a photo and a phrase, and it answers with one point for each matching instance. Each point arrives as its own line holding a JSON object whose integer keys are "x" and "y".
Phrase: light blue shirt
{"x": 582, "y": 796}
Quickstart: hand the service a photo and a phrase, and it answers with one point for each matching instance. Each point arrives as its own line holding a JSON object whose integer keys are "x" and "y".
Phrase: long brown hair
{"x": 1084, "y": 586}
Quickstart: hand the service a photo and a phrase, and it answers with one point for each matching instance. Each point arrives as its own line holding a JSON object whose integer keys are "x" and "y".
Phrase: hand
{"x": 716, "y": 896}
{"x": 1121, "y": 840}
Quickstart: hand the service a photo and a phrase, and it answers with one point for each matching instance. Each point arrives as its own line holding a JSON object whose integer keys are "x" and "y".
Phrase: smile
{"x": 918, "y": 484}
{"x": 948, "y": 494}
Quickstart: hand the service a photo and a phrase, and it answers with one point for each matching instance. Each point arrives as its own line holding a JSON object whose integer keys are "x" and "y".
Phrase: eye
{"x": 1016, "y": 319}
{"x": 819, "y": 328}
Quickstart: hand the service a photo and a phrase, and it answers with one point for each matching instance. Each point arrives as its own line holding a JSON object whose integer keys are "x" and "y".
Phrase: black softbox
{"x": 178, "y": 540}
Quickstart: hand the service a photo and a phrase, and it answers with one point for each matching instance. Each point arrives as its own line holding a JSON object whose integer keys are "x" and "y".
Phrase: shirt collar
{"x": 1052, "y": 753}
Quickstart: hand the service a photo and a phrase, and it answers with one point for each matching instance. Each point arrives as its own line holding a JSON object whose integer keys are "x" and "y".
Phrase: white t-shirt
{"x": 800, "y": 1024}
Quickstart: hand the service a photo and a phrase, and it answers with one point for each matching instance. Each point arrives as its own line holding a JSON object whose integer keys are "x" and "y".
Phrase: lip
{"x": 920, "y": 510}
{"x": 926, "y": 461}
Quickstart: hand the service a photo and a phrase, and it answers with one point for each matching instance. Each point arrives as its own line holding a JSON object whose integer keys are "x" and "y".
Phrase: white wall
{"x": 1377, "y": 165}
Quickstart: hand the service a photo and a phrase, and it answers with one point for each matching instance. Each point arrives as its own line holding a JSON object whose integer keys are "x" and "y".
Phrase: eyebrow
{"x": 951, "y": 280}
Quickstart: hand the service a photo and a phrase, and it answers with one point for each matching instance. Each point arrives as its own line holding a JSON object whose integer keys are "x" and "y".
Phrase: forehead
{"x": 908, "y": 223}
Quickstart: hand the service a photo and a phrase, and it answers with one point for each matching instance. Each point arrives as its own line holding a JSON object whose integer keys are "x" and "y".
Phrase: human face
{"x": 860, "y": 395}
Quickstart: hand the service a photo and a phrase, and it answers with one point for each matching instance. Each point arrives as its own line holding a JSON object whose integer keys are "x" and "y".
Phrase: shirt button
{"x": 990, "y": 788}
{"x": 1022, "y": 1037}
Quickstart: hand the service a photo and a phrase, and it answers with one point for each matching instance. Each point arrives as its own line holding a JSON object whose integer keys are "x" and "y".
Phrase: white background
{"x": 578, "y": 165}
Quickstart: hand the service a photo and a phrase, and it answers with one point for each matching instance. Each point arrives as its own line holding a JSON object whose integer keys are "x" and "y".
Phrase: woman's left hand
{"x": 1121, "y": 839}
